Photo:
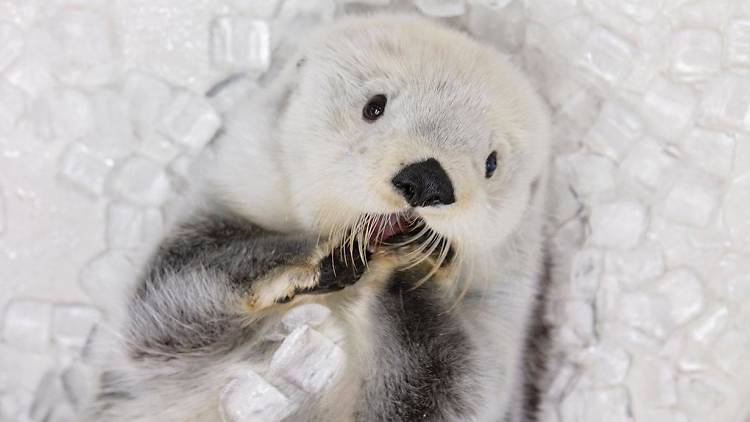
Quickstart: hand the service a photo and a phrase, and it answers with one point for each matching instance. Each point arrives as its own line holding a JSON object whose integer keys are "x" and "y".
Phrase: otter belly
{"x": 420, "y": 363}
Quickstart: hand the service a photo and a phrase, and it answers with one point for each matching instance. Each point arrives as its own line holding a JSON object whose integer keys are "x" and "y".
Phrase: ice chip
{"x": 26, "y": 324}
{"x": 190, "y": 121}
{"x": 72, "y": 324}
{"x": 140, "y": 181}
{"x": 696, "y": 55}
{"x": 441, "y": 8}
{"x": 250, "y": 398}
{"x": 618, "y": 224}
{"x": 307, "y": 360}
{"x": 240, "y": 44}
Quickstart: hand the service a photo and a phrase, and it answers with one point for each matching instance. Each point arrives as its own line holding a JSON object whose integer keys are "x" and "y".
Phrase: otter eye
{"x": 490, "y": 165}
{"x": 374, "y": 108}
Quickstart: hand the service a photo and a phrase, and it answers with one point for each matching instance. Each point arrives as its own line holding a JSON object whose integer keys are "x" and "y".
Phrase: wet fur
{"x": 292, "y": 175}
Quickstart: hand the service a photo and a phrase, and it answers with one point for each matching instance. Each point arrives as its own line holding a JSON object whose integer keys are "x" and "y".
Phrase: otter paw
{"x": 339, "y": 269}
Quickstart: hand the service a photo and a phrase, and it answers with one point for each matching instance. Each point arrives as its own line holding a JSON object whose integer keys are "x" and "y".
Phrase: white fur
{"x": 299, "y": 156}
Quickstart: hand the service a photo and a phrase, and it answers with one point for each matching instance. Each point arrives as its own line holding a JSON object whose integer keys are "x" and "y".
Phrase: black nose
{"x": 424, "y": 184}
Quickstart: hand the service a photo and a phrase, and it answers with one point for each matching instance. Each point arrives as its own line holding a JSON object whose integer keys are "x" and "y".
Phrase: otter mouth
{"x": 392, "y": 229}
{"x": 405, "y": 233}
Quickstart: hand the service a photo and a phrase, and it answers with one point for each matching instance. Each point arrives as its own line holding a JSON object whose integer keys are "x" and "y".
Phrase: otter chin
{"x": 391, "y": 136}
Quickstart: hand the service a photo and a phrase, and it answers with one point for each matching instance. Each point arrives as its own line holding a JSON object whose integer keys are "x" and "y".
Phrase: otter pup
{"x": 396, "y": 173}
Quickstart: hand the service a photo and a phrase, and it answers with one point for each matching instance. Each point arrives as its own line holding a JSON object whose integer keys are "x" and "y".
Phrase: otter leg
{"x": 217, "y": 271}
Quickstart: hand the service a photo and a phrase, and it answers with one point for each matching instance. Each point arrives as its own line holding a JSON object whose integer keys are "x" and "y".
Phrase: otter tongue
{"x": 386, "y": 228}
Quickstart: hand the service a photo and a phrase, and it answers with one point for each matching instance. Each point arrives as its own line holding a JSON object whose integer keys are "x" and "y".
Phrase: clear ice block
{"x": 140, "y": 181}
{"x": 250, "y": 398}
{"x": 307, "y": 360}
{"x": 737, "y": 43}
{"x": 668, "y": 108}
{"x": 26, "y": 324}
{"x": 240, "y": 44}
{"x": 441, "y": 8}
{"x": 190, "y": 121}
{"x": 696, "y": 55}
{"x": 72, "y": 324}
{"x": 618, "y": 224}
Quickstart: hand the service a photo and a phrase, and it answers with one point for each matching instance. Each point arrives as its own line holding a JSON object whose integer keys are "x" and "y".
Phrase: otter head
{"x": 394, "y": 124}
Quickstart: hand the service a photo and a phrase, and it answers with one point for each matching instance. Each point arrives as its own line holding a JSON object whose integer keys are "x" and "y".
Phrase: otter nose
{"x": 424, "y": 184}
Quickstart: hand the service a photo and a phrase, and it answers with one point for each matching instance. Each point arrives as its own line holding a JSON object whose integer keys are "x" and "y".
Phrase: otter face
{"x": 398, "y": 125}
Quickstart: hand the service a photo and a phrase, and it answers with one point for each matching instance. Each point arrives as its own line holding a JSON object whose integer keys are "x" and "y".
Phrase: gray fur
{"x": 414, "y": 351}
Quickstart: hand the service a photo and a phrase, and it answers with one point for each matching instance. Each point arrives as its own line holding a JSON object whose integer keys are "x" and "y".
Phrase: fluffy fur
{"x": 299, "y": 182}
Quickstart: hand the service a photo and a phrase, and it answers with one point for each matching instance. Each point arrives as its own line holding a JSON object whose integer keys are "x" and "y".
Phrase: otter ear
{"x": 301, "y": 62}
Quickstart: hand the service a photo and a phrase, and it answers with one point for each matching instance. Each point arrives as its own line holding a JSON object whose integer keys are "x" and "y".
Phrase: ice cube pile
{"x": 103, "y": 118}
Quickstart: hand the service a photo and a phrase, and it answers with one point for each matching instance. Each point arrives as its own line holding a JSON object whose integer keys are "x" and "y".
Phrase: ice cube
{"x": 606, "y": 56}
{"x": 586, "y": 272}
{"x": 726, "y": 103}
{"x": 730, "y": 350}
{"x": 147, "y": 97}
{"x": 646, "y": 313}
{"x": 696, "y": 55}
{"x": 158, "y": 148}
{"x": 692, "y": 200}
{"x": 2, "y": 211}
{"x": 561, "y": 382}
{"x": 130, "y": 227}
{"x": 737, "y": 47}
{"x": 12, "y": 105}
{"x": 311, "y": 314}
{"x": 441, "y": 8}
{"x": 608, "y": 16}
{"x": 700, "y": 394}
{"x": 578, "y": 330}
{"x": 139, "y": 180}
{"x": 114, "y": 136}
{"x": 11, "y": 44}
{"x": 710, "y": 326}
{"x": 14, "y": 406}
{"x": 307, "y": 359}
{"x": 683, "y": 291}
{"x": 652, "y": 384}
{"x": 250, "y": 398}
{"x": 712, "y": 151}
{"x": 497, "y": 4}
{"x": 615, "y": 131}
{"x": 504, "y": 29}
{"x": 618, "y": 224}
{"x": 240, "y": 43}
{"x": 72, "y": 324}
{"x": 105, "y": 276}
{"x": 227, "y": 93}
{"x": 62, "y": 412}
{"x": 32, "y": 71}
{"x": 79, "y": 383}
{"x": 261, "y": 8}
{"x": 736, "y": 212}
{"x": 642, "y": 11}
{"x": 592, "y": 175}
{"x": 647, "y": 165}
{"x": 63, "y": 114}
{"x": 611, "y": 405}
{"x": 700, "y": 14}
{"x": 83, "y": 168}
{"x": 88, "y": 46}
{"x": 191, "y": 121}
{"x": 606, "y": 365}
{"x": 668, "y": 108}
{"x": 634, "y": 267}
{"x": 304, "y": 14}
{"x": 49, "y": 392}
{"x": 26, "y": 324}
